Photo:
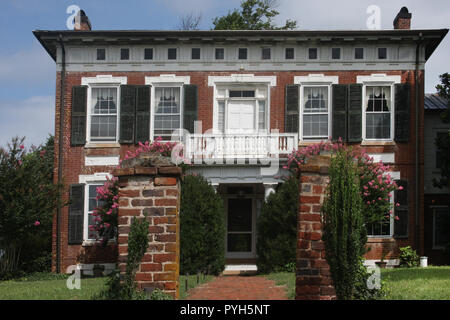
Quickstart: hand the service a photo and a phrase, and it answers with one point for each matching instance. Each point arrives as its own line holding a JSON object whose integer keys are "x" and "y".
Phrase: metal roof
{"x": 434, "y": 102}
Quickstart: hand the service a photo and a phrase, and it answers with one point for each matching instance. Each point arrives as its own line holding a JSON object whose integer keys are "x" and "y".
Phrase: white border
{"x": 242, "y": 78}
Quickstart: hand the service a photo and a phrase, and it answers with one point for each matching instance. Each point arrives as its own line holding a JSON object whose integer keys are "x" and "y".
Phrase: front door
{"x": 241, "y": 117}
{"x": 240, "y": 228}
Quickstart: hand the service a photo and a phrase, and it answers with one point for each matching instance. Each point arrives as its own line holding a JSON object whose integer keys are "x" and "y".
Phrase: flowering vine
{"x": 376, "y": 184}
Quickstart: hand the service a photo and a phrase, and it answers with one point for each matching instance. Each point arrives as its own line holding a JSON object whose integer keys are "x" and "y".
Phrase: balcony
{"x": 240, "y": 146}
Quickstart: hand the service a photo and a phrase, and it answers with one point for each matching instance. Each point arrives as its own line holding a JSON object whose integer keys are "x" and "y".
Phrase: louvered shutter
{"x": 339, "y": 113}
{"x": 354, "y": 113}
{"x": 78, "y": 116}
{"x": 292, "y": 108}
{"x": 402, "y": 112}
{"x": 142, "y": 133}
{"x": 76, "y": 214}
{"x": 127, "y": 113}
{"x": 190, "y": 104}
{"x": 401, "y": 197}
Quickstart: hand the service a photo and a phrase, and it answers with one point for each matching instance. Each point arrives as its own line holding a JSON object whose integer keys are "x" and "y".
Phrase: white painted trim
{"x": 384, "y": 157}
{"x": 242, "y": 78}
{"x": 316, "y": 78}
{"x": 96, "y": 177}
{"x": 378, "y": 77}
{"x": 168, "y": 78}
{"x": 101, "y": 161}
{"x": 103, "y": 79}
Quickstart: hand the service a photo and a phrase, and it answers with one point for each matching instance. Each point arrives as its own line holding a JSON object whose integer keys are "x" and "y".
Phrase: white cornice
{"x": 242, "y": 78}
{"x": 168, "y": 78}
{"x": 100, "y": 79}
{"x": 316, "y": 78}
{"x": 379, "y": 77}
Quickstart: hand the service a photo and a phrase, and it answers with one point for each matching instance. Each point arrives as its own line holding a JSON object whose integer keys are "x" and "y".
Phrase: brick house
{"x": 437, "y": 200}
{"x": 247, "y": 99}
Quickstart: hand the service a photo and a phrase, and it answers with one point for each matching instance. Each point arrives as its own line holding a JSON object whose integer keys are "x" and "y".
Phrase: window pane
{"x": 221, "y": 120}
{"x": 315, "y": 125}
{"x": 148, "y": 54}
{"x": 124, "y": 54}
{"x": 172, "y": 53}
{"x": 243, "y": 53}
{"x": 104, "y": 101}
{"x": 336, "y": 53}
{"x": 220, "y": 54}
{"x": 238, "y": 242}
{"x": 378, "y": 125}
{"x": 289, "y": 53}
{"x": 101, "y": 54}
{"x": 262, "y": 115}
{"x": 382, "y": 53}
{"x": 359, "y": 53}
{"x": 103, "y": 128}
{"x": 316, "y": 99}
{"x": 265, "y": 53}
{"x": 167, "y": 117}
{"x": 312, "y": 53}
{"x": 195, "y": 53}
{"x": 378, "y": 99}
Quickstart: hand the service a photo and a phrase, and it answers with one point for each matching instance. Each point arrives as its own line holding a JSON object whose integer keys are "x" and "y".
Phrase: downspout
{"x": 417, "y": 155}
{"x": 60, "y": 151}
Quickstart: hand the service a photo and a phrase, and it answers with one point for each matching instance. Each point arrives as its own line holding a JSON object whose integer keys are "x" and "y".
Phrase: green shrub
{"x": 158, "y": 294}
{"x": 408, "y": 257}
{"x": 202, "y": 227}
{"x": 344, "y": 232}
{"x": 362, "y": 291}
{"x": 277, "y": 229}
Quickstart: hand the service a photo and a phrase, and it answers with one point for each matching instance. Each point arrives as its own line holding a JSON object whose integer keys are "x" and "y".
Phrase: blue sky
{"x": 27, "y": 73}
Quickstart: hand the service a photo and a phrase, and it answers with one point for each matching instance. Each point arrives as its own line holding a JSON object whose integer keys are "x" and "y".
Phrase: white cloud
{"x": 33, "y": 118}
{"x": 30, "y": 66}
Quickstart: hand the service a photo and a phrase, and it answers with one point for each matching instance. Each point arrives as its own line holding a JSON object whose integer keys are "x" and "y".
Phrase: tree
{"x": 190, "y": 21}
{"x": 443, "y": 141}
{"x": 28, "y": 198}
{"x": 254, "y": 15}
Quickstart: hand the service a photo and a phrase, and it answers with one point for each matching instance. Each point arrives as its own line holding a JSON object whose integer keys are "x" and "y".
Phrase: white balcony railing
{"x": 238, "y": 146}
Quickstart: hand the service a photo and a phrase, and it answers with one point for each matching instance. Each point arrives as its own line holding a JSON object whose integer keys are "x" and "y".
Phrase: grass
{"x": 49, "y": 287}
{"x": 192, "y": 283}
{"x": 286, "y": 279}
{"x": 431, "y": 283}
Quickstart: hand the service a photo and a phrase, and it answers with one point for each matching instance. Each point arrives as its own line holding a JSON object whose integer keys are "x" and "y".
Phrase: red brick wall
{"x": 73, "y": 157}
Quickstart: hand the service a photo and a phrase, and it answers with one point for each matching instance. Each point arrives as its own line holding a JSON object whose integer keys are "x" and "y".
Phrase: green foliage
{"x": 158, "y": 294}
{"x": 202, "y": 227}
{"x": 254, "y": 15}
{"x": 344, "y": 233}
{"x": 362, "y": 291}
{"x": 28, "y": 198}
{"x": 137, "y": 245}
{"x": 277, "y": 229}
{"x": 443, "y": 142}
{"x": 408, "y": 257}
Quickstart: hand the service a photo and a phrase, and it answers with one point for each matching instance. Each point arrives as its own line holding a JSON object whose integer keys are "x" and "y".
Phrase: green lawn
{"x": 284, "y": 279}
{"x": 431, "y": 283}
{"x": 50, "y": 287}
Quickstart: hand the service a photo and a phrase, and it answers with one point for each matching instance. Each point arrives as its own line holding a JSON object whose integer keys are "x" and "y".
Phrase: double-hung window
{"x": 167, "y": 116}
{"x": 91, "y": 204}
{"x": 378, "y": 112}
{"x": 103, "y": 114}
{"x": 315, "y": 112}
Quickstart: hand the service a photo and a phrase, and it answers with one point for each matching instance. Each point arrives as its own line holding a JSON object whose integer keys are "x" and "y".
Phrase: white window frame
{"x": 88, "y": 180}
{"x": 436, "y": 247}
{"x": 315, "y": 80}
{"x": 381, "y": 80}
{"x": 165, "y": 81}
{"x": 102, "y": 81}
{"x": 240, "y": 81}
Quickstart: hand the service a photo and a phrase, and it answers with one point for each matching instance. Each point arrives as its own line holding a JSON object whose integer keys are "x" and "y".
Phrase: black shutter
{"x": 354, "y": 115}
{"x": 127, "y": 113}
{"x": 78, "y": 116}
{"x": 190, "y": 105}
{"x": 291, "y": 117}
{"x": 402, "y": 112}
{"x": 76, "y": 214}
{"x": 402, "y": 212}
{"x": 339, "y": 113}
{"x": 142, "y": 114}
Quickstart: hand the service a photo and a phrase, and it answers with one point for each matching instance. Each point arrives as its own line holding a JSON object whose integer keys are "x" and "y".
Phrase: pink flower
{"x": 37, "y": 223}
{"x": 22, "y": 147}
{"x": 400, "y": 188}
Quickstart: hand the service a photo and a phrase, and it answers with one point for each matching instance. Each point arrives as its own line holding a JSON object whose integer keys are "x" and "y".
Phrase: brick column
{"x": 313, "y": 281}
{"x": 155, "y": 192}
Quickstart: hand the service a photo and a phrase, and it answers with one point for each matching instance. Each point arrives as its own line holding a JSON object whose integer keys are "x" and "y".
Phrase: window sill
{"x": 91, "y": 243}
{"x": 380, "y": 239}
{"x": 378, "y": 143}
{"x": 93, "y": 145}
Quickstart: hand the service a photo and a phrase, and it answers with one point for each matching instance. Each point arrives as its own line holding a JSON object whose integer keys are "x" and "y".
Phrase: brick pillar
{"x": 155, "y": 192}
{"x": 313, "y": 281}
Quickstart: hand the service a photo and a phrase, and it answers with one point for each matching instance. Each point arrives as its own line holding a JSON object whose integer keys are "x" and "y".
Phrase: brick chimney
{"x": 82, "y": 22}
{"x": 403, "y": 19}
